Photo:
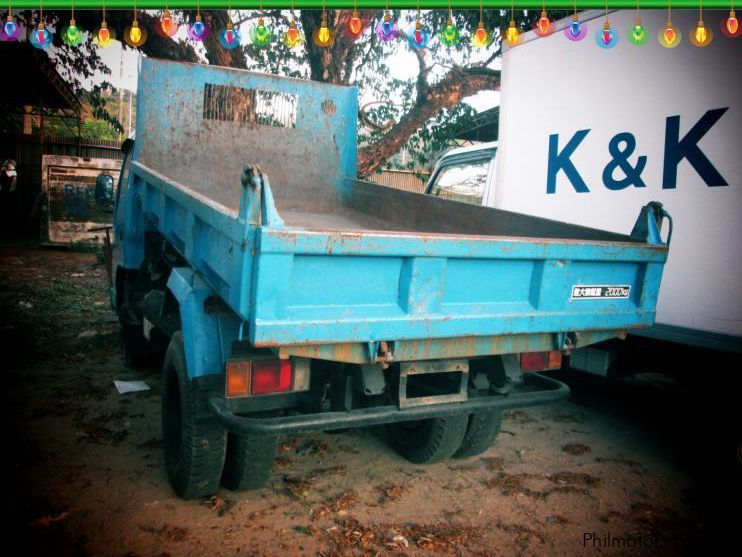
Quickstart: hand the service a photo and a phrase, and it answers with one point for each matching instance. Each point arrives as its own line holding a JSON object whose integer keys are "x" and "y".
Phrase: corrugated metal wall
{"x": 401, "y": 179}
{"x": 27, "y": 150}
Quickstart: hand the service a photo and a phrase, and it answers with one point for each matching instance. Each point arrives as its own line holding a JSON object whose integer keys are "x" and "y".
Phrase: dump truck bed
{"x": 308, "y": 256}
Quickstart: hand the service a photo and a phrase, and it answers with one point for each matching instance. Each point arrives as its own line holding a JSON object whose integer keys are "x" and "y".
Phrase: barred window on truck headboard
{"x": 250, "y": 106}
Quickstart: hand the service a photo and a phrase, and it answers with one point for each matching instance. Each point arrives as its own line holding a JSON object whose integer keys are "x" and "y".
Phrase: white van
{"x": 631, "y": 124}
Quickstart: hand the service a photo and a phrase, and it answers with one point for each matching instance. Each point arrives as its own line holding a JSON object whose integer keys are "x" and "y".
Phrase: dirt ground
{"x": 637, "y": 459}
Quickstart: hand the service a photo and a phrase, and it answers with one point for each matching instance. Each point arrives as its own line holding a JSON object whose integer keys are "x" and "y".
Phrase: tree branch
{"x": 458, "y": 84}
{"x": 422, "y": 76}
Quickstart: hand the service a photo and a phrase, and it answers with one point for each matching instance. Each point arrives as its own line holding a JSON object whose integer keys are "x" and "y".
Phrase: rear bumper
{"x": 537, "y": 389}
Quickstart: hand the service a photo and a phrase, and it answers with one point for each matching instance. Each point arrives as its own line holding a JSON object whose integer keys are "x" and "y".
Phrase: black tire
{"x": 194, "y": 449}
{"x": 249, "y": 461}
{"x": 136, "y": 349}
{"x": 428, "y": 441}
{"x": 480, "y": 433}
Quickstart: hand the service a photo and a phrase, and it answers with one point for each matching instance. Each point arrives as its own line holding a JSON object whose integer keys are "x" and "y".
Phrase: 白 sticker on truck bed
{"x": 592, "y": 291}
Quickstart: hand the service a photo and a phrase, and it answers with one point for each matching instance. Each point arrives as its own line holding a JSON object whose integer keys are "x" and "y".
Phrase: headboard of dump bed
{"x": 200, "y": 125}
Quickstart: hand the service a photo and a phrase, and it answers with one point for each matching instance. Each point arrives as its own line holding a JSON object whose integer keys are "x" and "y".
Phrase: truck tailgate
{"x": 338, "y": 287}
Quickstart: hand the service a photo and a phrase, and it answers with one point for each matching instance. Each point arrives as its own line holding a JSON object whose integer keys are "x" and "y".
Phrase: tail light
{"x": 238, "y": 378}
{"x": 540, "y": 361}
{"x": 263, "y": 377}
{"x": 270, "y": 377}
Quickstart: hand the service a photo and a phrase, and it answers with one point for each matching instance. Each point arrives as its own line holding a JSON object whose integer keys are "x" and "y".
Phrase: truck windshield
{"x": 464, "y": 181}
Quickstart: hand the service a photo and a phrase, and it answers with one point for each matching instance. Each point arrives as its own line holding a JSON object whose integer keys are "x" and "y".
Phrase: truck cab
{"x": 466, "y": 174}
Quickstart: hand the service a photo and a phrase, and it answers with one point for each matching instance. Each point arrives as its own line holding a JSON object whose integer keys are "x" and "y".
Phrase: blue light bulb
{"x": 10, "y": 28}
{"x": 198, "y": 28}
{"x": 574, "y": 28}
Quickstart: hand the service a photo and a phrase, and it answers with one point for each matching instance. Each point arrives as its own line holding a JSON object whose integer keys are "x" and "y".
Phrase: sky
{"x": 402, "y": 62}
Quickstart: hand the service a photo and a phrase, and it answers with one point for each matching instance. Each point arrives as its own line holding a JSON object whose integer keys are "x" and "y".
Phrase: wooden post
{"x": 27, "y": 119}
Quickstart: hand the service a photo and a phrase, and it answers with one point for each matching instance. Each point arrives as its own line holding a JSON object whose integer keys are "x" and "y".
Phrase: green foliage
{"x": 98, "y": 129}
{"x": 77, "y": 63}
{"x": 92, "y": 128}
{"x": 98, "y": 104}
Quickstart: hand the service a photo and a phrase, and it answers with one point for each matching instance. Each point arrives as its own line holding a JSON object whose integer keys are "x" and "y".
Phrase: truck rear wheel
{"x": 428, "y": 441}
{"x": 481, "y": 431}
{"x": 249, "y": 461}
{"x": 194, "y": 449}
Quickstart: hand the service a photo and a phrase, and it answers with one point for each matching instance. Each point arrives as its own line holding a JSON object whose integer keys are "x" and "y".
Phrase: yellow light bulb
{"x": 324, "y": 34}
{"x": 135, "y": 34}
{"x": 701, "y": 34}
{"x": 512, "y": 33}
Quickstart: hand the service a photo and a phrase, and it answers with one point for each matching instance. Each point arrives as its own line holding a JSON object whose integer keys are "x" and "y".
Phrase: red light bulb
{"x": 418, "y": 33}
{"x": 544, "y": 23}
{"x": 166, "y": 22}
{"x": 355, "y": 24}
{"x": 607, "y": 34}
{"x": 732, "y": 23}
{"x": 669, "y": 34}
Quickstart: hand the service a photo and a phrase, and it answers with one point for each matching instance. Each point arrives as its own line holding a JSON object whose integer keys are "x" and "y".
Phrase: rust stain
{"x": 328, "y": 107}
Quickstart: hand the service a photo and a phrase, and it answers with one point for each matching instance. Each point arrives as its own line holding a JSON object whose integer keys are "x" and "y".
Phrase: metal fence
{"x": 401, "y": 179}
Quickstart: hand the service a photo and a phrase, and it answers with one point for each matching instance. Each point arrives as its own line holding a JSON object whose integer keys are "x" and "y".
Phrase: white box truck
{"x": 589, "y": 135}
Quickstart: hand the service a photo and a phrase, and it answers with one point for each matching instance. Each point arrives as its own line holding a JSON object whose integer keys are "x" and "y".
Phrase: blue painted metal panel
{"x": 290, "y": 286}
{"x": 200, "y": 125}
{"x": 207, "y": 337}
{"x": 446, "y": 245}
{"x": 397, "y": 286}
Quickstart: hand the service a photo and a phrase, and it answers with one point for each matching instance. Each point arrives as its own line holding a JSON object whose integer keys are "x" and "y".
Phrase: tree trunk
{"x": 458, "y": 84}
{"x": 332, "y": 64}
{"x": 215, "y": 53}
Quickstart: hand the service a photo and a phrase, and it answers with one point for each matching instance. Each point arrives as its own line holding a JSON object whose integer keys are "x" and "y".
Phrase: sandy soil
{"x": 634, "y": 458}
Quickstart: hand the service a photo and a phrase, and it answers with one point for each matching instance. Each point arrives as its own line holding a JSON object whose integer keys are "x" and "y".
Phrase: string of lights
{"x": 387, "y": 29}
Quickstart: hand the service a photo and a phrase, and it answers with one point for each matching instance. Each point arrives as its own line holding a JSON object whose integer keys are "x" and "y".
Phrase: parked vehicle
{"x": 77, "y": 195}
{"x": 316, "y": 301}
{"x": 616, "y": 133}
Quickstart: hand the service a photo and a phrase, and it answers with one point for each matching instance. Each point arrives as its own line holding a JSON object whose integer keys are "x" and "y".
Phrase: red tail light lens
{"x": 534, "y": 361}
{"x": 540, "y": 361}
{"x": 273, "y": 376}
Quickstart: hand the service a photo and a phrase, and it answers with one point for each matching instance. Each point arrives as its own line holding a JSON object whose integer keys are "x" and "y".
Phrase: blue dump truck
{"x": 286, "y": 295}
